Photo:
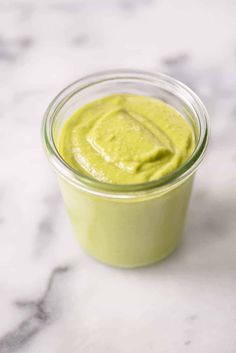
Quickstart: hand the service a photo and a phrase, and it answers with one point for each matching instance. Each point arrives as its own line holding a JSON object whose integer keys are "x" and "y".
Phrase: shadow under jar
{"x": 126, "y": 225}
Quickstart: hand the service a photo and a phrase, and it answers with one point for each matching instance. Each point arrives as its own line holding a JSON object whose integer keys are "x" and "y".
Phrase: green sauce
{"x": 126, "y": 139}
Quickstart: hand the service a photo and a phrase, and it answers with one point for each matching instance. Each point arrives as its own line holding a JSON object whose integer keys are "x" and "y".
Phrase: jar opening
{"x": 159, "y": 86}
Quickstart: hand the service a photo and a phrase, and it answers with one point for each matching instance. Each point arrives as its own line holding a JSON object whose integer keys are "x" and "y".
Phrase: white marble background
{"x": 54, "y": 298}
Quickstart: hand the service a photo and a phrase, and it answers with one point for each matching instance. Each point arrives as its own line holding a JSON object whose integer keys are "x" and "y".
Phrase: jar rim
{"x": 94, "y": 186}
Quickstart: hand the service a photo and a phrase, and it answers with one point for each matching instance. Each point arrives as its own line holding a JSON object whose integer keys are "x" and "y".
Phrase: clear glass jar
{"x": 126, "y": 225}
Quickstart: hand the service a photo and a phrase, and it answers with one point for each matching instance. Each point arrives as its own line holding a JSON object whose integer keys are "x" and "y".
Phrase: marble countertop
{"x": 53, "y": 297}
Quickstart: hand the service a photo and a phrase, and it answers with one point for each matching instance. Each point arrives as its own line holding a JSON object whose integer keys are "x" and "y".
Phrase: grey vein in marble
{"x": 187, "y": 343}
{"x": 11, "y": 49}
{"x": 36, "y": 322}
{"x": 45, "y": 231}
{"x": 211, "y": 83}
{"x": 94, "y": 5}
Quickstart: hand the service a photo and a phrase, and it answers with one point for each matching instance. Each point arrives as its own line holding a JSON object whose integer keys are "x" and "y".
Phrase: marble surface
{"x": 53, "y": 297}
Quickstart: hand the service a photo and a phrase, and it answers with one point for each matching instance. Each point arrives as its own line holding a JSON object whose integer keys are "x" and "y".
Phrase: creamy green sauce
{"x": 126, "y": 139}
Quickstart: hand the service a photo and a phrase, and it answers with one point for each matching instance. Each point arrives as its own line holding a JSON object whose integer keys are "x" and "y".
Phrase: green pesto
{"x": 126, "y": 139}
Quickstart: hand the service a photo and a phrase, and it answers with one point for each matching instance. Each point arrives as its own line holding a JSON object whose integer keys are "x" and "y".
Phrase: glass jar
{"x": 126, "y": 225}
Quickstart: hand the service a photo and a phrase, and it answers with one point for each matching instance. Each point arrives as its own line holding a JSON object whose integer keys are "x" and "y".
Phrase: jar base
{"x": 133, "y": 266}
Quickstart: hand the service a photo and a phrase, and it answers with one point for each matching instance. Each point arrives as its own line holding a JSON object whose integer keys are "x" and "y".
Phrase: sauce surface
{"x": 126, "y": 139}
